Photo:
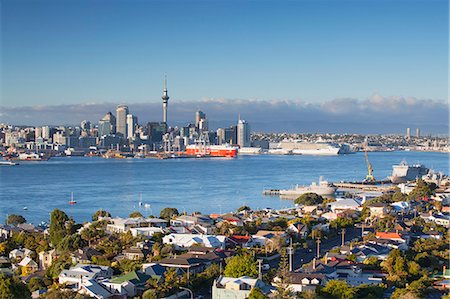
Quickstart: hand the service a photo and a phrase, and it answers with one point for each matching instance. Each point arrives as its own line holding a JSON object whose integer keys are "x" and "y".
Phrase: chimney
{"x": 314, "y": 263}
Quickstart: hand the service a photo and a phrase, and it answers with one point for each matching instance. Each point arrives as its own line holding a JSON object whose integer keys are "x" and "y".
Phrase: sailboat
{"x": 72, "y": 201}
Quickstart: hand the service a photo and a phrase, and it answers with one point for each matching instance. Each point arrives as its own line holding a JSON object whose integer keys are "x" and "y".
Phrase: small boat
{"x": 72, "y": 201}
{"x": 8, "y": 163}
{"x": 25, "y": 208}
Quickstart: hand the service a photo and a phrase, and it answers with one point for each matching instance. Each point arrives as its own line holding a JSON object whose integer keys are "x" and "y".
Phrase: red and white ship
{"x": 201, "y": 150}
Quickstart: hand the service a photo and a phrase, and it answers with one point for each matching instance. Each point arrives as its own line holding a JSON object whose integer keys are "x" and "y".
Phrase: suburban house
{"x": 268, "y": 237}
{"x": 377, "y": 210}
{"x": 237, "y": 288}
{"x": 28, "y": 265}
{"x": 132, "y": 283}
{"x": 342, "y": 204}
{"x": 19, "y": 254}
{"x": 121, "y": 225}
{"x": 299, "y": 229}
{"x": 183, "y": 241}
{"x": 46, "y": 258}
{"x": 301, "y": 282}
{"x": 82, "y": 272}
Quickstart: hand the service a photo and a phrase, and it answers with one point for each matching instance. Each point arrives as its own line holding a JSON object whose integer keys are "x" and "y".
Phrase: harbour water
{"x": 206, "y": 185}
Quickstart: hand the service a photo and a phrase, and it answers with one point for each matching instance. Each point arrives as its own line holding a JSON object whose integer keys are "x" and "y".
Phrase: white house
{"x": 342, "y": 204}
{"x": 83, "y": 272}
{"x": 19, "y": 254}
{"x": 182, "y": 241}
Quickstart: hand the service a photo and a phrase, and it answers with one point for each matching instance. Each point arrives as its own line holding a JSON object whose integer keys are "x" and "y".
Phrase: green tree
{"x": 58, "y": 229}
{"x": 100, "y": 213}
{"x": 339, "y": 289}
{"x": 241, "y": 265}
{"x": 256, "y": 293}
{"x": 395, "y": 265}
{"x": 36, "y": 283}
{"x": 283, "y": 290}
{"x": 309, "y": 199}
{"x": 14, "y": 219}
{"x": 421, "y": 190}
{"x": 244, "y": 208}
{"x": 168, "y": 213}
{"x": 398, "y": 196}
{"x": 135, "y": 214}
{"x": 150, "y": 294}
{"x": 12, "y": 287}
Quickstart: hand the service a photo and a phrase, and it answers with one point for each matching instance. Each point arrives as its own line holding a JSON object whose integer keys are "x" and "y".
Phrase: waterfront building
{"x": 37, "y": 133}
{"x": 131, "y": 125}
{"x": 165, "y": 99}
{"x": 408, "y": 133}
{"x": 156, "y": 130}
{"x": 121, "y": 118}
{"x": 46, "y": 132}
{"x": 243, "y": 133}
{"x": 418, "y": 132}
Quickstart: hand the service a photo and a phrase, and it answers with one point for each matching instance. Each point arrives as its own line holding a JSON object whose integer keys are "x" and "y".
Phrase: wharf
{"x": 381, "y": 186}
{"x": 271, "y": 192}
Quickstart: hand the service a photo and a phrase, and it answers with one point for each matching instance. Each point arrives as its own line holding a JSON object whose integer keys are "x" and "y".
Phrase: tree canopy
{"x": 422, "y": 190}
{"x": 135, "y": 214}
{"x": 14, "y": 219}
{"x": 12, "y": 287}
{"x": 58, "y": 229}
{"x": 241, "y": 265}
{"x": 309, "y": 199}
{"x": 168, "y": 213}
{"x": 100, "y": 213}
{"x": 339, "y": 289}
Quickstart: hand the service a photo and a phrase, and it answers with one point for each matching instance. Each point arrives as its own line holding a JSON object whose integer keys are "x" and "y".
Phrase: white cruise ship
{"x": 300, "y": 147}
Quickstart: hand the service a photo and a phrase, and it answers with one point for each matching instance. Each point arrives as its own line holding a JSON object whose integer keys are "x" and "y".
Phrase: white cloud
{"x": 376, "y": 114}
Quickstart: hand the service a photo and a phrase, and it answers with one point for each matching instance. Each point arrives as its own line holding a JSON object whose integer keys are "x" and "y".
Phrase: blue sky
{"x": 71, "y": 52}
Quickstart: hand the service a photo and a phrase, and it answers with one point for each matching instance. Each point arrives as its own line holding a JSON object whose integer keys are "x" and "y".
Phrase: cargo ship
{"x": 197, "y": 150}
{"x": 32, "y": 157}
{"x": 403, "y": 172}
{"x": 322, "y": 188}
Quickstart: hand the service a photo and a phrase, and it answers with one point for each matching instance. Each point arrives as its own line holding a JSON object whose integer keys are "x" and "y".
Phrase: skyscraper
{"x": 199, "y": 115}
{"x": 408, "y": 133}
{"x": 131, "y": 125}
{"x": 165, "y": 99}
{"x": 121, "y": 120}
{"x": 111, "y": 119}
{"x": 243, "y": 133}
{"x": 418, "y": 132}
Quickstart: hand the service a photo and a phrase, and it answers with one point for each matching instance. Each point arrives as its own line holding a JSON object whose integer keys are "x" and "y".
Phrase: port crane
{"x": 369, "y": 176}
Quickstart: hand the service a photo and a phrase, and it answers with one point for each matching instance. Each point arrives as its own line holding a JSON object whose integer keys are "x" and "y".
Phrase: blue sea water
{"x": 206, "y": 185}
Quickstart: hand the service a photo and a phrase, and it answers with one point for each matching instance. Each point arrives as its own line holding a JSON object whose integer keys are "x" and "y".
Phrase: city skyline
{"x": 84, "y": 51}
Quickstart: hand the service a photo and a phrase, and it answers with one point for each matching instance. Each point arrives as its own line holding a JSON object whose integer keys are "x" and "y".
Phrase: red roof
{"x": 388, "y": 235}
{"x": 240, "y": 239}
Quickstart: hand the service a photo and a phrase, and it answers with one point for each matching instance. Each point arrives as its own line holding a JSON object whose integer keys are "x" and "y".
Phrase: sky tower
{"x": 165, "y": 99}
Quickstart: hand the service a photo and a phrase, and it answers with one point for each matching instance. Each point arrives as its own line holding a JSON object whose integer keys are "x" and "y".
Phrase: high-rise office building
{"x": 85, "y": 125}
{"x": 131, "y": 125}
{"x": 199, "y": 115}
{"x": 418, "y": 132}
{"x": 37, "y": 133}
{"x": 165, "y": 99}
{"x": 121, "y": 120}
{"x": 408, "y": 133}
{"x": 111, "y": 119}
{"x": 46, "y": 132}
{"x": 220, "y": 136}
{"x": 243, "y": 133}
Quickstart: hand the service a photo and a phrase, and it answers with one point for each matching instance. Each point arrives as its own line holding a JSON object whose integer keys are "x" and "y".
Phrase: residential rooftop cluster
{"x": 393, "y": 245}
